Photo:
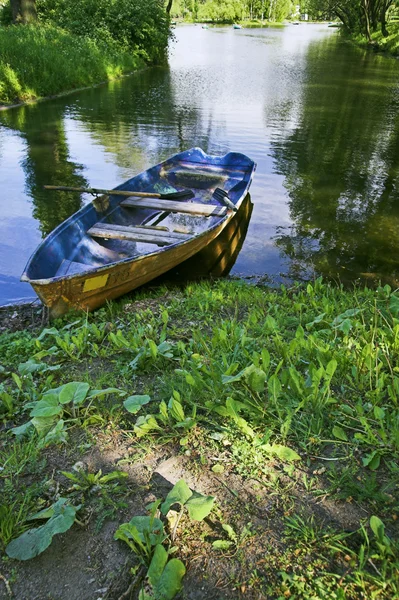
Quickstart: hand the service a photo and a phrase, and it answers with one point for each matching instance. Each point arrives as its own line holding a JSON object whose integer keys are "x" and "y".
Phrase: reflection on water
{"x": 319, "y": 116}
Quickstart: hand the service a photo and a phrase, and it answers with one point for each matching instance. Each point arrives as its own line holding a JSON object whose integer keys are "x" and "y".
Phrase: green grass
{"x": 39, "y": 61}
{"x": 295, "y": 389}
{"x": 389, "y": 44}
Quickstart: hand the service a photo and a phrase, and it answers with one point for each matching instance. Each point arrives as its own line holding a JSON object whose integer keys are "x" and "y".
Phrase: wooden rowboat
{"x": 117, "y": 243}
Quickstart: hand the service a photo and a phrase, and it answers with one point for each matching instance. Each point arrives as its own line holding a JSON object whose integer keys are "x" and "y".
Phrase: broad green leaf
{"x": 378, "y": 528}
{"x": 265, "y": 359}
{"x": 31, "y": 366}
{"x": 171, "y": 580}
{"x": 44, "y": 424}
{"x": 274, "y": 387}
{"x": 379, "y": 413}
{"x": 176, "y": 410}
{"x": 199, "y": 506}
{"x": 35, "y": 541}
{"x": 157, "y": 565}
{"x": 145, "y": 424}
{"x": 345, "y": 326}
{"x": 230, "y": 531}
{"x": 352, "y": 312}
{"x": 48, "y": 331}
{"x": 56, "y": 435}
{"x": 75, "y": 392}
{"x": 394, "y": 305}
{"x": 47, "y": 407}
{"x": 339, "y": 433}
{"x": 318, "y": 319}
{"x": 282, "y": 452}
{"x": 134, "y": 403}
{"x": 46, "y": 513}
{"x": 330, "y": 369}
{"x": 149, "y": 526}
{"x": 372, "y": 460}
{"x": 227, "y": 379}
{"x": 179, "y": 494}
{"x": 22, "y": 429}
{"x": 255, "y": 377}
{"x": 222, "y": 544}
{"x": 190, "y": 379}
{"x": 244, "y": 427}
{"x": 218, "y": 468}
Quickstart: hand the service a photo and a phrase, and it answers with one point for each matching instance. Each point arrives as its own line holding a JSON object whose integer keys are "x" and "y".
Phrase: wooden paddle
{"x": 185, "y": 194}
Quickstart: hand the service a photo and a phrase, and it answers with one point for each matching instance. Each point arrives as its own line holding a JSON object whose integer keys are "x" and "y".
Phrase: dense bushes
{"x": 45, "y": 60}
{"x": 77, "y": 43}
{"x": 131, "y": 24}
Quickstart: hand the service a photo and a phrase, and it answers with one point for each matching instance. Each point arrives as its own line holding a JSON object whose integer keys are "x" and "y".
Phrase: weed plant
{"x": 296, "y": 389}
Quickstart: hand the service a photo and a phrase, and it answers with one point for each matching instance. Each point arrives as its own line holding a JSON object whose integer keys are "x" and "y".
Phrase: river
{"x": 318, "y": 115}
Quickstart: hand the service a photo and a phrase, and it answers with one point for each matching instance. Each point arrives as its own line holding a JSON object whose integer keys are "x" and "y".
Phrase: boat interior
{"x": 111, "y": 229}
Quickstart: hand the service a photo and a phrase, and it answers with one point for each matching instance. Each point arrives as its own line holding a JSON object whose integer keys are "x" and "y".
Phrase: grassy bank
{"x": 39, "y": 61}
{"x": 389, "y": 44}
{"x": 281, "y": 407}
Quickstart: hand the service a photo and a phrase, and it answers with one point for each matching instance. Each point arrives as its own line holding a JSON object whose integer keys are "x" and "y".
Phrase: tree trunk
{"x": 23, "y": 11}
{"x": 383, "y": 18}
{"x": 365, "y": 7}
{"x": 169, "y": 7}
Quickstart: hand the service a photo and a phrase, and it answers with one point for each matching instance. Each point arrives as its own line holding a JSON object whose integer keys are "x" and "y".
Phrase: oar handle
{"x": 100, "y": 191}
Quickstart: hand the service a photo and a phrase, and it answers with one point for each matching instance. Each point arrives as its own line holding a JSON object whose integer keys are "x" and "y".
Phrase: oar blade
{"x": 183, "y": 195}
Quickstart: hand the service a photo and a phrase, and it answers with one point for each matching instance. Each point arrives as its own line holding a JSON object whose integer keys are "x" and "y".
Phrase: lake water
{"x": 318, "y": 115}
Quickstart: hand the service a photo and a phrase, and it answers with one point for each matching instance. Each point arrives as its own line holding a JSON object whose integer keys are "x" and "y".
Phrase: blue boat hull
{"x": 73, "y": 269}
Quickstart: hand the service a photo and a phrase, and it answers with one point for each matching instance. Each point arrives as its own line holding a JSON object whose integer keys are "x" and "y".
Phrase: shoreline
{"x": 4, "y": 107}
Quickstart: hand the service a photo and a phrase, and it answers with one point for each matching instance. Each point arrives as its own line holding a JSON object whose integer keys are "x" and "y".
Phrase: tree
{"x": 23, "y": 11}
{"x": 362, "y": 16}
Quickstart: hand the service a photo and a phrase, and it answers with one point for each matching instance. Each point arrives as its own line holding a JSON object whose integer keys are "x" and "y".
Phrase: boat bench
{"x": 148, "y": 235}
{"x": 190, "y": 208}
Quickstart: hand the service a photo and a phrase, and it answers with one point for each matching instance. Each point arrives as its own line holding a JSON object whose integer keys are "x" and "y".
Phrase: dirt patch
{"x": 22, "y": 316}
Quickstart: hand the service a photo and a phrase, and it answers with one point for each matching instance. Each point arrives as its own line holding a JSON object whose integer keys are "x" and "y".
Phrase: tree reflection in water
{"x": 341, "y": 169}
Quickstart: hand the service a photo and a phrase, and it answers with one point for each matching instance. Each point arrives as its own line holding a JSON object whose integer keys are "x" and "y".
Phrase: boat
{"x": 123, "y": 238}
{"x": 219, "y": 256}
{"x": 236, "y": 26}
{"x": 205, "y": 27}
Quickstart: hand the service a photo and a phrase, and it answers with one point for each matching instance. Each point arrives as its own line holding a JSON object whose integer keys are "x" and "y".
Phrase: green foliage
{"x": 141, "y": 26}
{"x": 146, "y": 534}
{"x": 164, "y": 576}
{"x": 61, "y": 517}
{"x": 197, "y": 505}
{"x": 43, "y": 60}
{"x": 230, "y": 11}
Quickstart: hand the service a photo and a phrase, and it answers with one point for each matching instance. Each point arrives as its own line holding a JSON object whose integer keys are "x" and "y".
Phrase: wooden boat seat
{"x": 148, "y": 235}
{"x": 190, "y": 208}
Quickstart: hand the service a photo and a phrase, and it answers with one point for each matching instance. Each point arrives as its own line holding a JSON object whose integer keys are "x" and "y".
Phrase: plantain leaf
{"x": 199, "y": 506}
{"x": 179, "y": 494}
{"x": 134, "y": 403}
{"x": 171, "y": 579}
{"x": 35, "y": 541}
{"x": 47, "y": 407}
{"x": 74, "y": 391}
{"x": 157, "y": 565}
{"x": 339, "y": 433}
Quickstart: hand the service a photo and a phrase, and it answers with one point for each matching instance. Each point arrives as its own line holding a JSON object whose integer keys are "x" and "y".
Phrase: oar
{"x": 223, "y": 197}
{"x": 173, "y": 196}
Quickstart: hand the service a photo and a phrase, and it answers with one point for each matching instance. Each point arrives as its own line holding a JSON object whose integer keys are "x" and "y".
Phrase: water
{"x": 319, "y": 116}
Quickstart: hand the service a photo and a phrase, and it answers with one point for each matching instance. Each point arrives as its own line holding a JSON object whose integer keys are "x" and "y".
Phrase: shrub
{"x": 141, "y": 25}
{"x": 46, "y": 60}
